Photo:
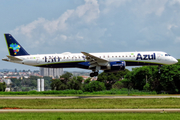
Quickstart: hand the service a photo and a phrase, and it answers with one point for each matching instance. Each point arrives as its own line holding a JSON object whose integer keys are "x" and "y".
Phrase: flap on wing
{"x": 91, "y": 57}
{"x": 95, "y": 61}
{"x": 14, "y": 58}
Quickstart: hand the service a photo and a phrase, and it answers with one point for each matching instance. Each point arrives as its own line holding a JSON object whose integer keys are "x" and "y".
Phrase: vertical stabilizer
{"x": 14, "y": 48}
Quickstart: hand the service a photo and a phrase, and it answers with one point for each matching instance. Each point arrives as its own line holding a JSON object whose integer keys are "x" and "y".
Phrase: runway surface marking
{"x": 86, "y": 97}
{"x": 89, "y": 110}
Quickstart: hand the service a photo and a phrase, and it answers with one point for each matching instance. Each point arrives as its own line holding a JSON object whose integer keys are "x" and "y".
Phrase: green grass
{"x": 90, "y": 116}
{"x": 90, "y": 103}
{"x": 123, "y": 91}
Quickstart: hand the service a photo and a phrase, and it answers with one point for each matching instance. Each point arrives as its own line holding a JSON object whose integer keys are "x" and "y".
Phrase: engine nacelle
{"x": 115, "y": 66}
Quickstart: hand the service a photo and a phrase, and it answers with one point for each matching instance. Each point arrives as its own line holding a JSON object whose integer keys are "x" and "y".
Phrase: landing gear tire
{"x": 95, "y": 73}
{"x": 91, "y": 74}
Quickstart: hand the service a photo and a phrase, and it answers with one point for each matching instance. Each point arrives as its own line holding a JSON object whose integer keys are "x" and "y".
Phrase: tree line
{"x": 147, "y": 78}
{"x": 68, "y": 81}
{"x": 27, "y": 84}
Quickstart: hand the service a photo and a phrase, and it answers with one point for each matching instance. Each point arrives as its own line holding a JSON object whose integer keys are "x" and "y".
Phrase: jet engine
{"x": 115, "y": 66}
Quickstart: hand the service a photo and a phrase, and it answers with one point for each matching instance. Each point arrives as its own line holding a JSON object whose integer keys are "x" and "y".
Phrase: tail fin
{"x": 14, "y": 48}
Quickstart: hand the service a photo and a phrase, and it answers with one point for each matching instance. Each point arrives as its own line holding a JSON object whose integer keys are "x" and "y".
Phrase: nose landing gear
{"x": 159, "y": 68}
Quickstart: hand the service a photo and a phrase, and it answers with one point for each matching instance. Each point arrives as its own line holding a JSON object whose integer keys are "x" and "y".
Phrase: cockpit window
{"x": 167, "y": 55}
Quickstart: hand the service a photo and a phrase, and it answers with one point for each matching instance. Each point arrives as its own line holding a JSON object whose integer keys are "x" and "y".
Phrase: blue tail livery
{"x": 14, "y": 48}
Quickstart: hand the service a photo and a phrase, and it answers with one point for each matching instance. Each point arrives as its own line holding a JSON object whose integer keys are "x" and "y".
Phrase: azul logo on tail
{"x": 15, "y": 48}
{"x": 146, "y": 57}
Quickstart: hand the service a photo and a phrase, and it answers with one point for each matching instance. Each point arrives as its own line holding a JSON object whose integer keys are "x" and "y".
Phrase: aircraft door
{"x": 159, "y": 56}
{"x": 37, "y": 61}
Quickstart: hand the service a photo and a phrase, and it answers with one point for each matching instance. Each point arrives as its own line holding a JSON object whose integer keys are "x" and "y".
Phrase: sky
{"x": 57, "y": 26}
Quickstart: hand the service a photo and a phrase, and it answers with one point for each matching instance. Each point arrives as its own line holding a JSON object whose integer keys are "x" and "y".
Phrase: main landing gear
{"x": 94, "y": 74}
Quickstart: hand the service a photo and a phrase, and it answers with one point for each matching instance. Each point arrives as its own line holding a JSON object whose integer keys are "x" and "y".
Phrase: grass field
{"x": 89, "y": 116}
{"x": 122, "y": 91}
{"x": 90, "y": 103}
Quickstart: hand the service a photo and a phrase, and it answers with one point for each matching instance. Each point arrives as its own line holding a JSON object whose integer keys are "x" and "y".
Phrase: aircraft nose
{"x": 175, "y": 61}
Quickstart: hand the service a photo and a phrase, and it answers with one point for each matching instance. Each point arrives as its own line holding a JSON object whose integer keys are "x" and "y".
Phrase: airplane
{"x": 109, "y": 61}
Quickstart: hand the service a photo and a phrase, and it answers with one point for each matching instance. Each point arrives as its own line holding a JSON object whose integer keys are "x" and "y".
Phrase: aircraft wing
{"x": 95, "y": 61}
{"x": 14, "y": 58}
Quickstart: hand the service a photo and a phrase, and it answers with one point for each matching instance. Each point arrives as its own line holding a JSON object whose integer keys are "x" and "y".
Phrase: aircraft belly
{"x": 84, "y": 65}
{"x": 141, "y": 63}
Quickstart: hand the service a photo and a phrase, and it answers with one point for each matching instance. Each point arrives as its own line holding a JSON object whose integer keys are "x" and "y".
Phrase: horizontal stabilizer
{"x": 14, "y": 58}
{"x": 5, "y": 59}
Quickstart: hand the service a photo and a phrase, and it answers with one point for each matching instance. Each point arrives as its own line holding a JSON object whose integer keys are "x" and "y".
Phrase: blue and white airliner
{"x": 109, "y": 61}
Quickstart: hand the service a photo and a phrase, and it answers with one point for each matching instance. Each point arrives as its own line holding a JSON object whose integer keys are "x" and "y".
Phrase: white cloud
{"x": 172, "y": 2}
{"x": 28, "y": 29}
{"x": 58, "y": 24}
{"x": 146, "y": 7}
{"x": 160, "y": 11}
{"x": 64, "y": 37}
{"x": 66, "y": 23}
{"x": 79, "y": 37}
{"x": 125, "y": 22}
{"x": 88, "y": 11}
{"x": 169, "y": 27}
{"x": 111, "y": 4}
{"x": 139, "y": 7}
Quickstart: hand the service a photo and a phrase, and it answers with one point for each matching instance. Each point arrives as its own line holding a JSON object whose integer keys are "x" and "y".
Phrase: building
{"x": 53, "y": 72}
{"x": 7, "y": 81}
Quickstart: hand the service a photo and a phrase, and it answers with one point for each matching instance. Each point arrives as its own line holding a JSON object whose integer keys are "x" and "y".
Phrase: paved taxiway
{"x": 90, "y": 110}
{"x": 87, "y": 97}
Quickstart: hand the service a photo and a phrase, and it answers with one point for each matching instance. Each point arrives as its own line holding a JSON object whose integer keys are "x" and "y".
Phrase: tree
{"x": 15, "y": 82}
{"x": 170, "y": 78}
{"x": 149, "y": 78}
{"x": 110, "y": 78}
{"x": 2, "y": 86}
{"x": 94, "y": 86}
{"x": 118, "y": 85}
{"x": 66, "y": 76}
{"x": 75, "y": 83}
{"x": 87, "y": 81}
{"x": 57, "y": 84}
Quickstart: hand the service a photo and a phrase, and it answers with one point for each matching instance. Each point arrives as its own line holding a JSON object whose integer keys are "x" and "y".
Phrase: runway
{"x": 87, "y": 97}
{"x": 91, "y": 110}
